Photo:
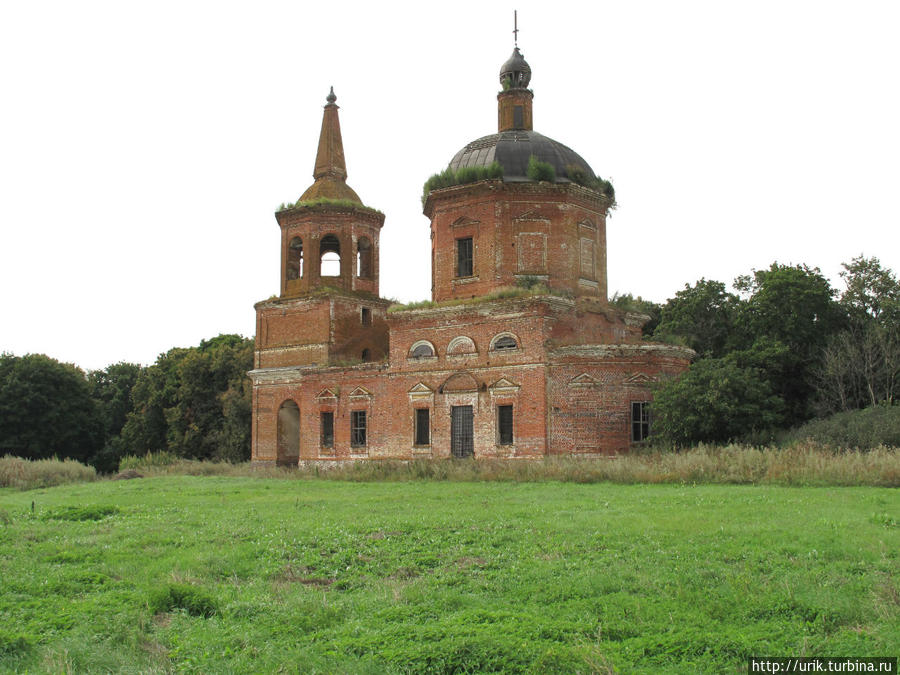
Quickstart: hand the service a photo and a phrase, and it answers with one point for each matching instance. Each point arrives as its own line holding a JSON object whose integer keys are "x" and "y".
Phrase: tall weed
{"x": 25, "y": 474}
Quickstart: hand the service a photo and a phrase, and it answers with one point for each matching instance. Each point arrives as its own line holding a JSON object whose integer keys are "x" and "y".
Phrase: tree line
{"x": 780, "y": 349}
{"x": 193, "y": 402}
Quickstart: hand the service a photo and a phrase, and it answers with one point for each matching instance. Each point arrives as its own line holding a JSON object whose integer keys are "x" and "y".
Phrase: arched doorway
{"x": 288, "y": 453}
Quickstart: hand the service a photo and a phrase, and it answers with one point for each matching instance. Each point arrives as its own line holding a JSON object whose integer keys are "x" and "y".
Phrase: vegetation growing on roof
{"x": 325, "y": 201}
{"x": 587, "y": 179}
{"x": 448, "y": 177}
{"x": 540, "y": 171}
{"x": 520, "y": 290}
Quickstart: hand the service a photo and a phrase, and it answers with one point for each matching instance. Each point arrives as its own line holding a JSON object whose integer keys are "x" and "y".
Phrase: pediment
{"x": 530, "y": 214}
{"x": 504, "y": 385}
{"x": 639, "y": 379}
{"x": 463, "y": 221}
{"x": 359, "y": 393}
{"x": 420, "y": 391}
{"x": 583, "y": 380}
{"x": 326, "y": 395}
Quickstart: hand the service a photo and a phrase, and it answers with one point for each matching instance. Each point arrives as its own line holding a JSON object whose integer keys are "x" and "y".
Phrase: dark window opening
{"x": 462, "y": 437}
{"x": 506, "y": 342}
{"x": 505, "y": 424}
{"x": 640, "y": 421}
{"x": 366, "y": 355}
{"x": 330, "y": 256}
{"x": 423, "y": 431}
{"x": 464, "y": 257}
{"x": 357, "y": 428}
{"x": 366, "y": 316}
{"x": 295, "y": 259}
{"x": 327, "y": 429}
{"x": 364, "y": 258}
{"x": 422, "y": 350}
{"x": 518, "y": 117}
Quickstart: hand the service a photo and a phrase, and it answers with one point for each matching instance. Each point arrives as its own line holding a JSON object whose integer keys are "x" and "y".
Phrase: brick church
{"x": 518, "y": 356}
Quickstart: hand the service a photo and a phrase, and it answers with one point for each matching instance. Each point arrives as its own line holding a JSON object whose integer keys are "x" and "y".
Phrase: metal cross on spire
{"x": 515, "y": 29}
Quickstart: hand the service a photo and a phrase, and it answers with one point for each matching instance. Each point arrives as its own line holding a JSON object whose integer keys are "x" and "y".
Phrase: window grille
{"x": 464, "y": 257}
{"x": 357, "y": 428}
{"x": 640, "y": 421}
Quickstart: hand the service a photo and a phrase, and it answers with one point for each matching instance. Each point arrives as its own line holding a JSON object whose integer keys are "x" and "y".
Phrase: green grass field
{"x": 225, "y": 574}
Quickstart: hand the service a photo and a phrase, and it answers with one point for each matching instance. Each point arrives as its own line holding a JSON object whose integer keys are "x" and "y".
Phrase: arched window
{"x": 461, "y": 345}
{"x": 421, "y": 349}
{"x": 295, "y": 259}
{"x": 330, "y": 256}
{"x": 366, "y": 355}
{"x": 364, "y": 258}
{"x": 504, "y": 342}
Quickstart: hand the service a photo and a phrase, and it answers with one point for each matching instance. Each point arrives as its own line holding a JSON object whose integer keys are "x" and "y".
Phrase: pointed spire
{"x": 330, "y": 172}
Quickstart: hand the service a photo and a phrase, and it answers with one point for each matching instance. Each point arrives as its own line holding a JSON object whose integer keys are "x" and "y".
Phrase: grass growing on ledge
{"x": 325, "y": 201}
{"x": 502, "y": 293}
{"x": 588, "y": 180}
{"x": 448, "y": 177}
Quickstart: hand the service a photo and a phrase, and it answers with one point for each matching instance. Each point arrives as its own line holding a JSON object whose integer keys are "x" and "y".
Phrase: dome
{"x": 515, "y": 73}
{"x": 513, "y": 149}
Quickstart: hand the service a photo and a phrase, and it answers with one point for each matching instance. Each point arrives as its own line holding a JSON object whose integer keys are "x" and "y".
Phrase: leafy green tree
{"x": 701, "y": 317}
{"x": 861, "y": 364}
{"x": 793, "y": 305}
{"x": 46, "y": 410}
{"x": 111, "y": 390}
{"x": 715, "y": 401}
{"x": 872, "y": 292}
{"x": 195, "y": 402}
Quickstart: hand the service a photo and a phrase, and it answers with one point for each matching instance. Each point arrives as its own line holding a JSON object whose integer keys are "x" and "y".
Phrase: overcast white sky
{"x": 145, "y": 146}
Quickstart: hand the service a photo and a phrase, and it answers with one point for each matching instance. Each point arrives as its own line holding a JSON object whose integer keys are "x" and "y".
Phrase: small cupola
{"x": 515, "y": 73}
{"x": 514, "y": 101}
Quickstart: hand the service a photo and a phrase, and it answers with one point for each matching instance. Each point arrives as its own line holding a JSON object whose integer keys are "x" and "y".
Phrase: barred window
{"x": 464, "y": 257}
{"x": 423, "y": 430}
{"x": 505, "y": 424}
{"x": 357, "y": 428}
{"x": 327, "y": 429}
{"x": 640, "y": 421}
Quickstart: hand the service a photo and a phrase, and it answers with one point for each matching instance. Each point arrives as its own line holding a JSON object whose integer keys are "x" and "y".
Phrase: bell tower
{"x": 328, "y": 237}
{"x": 328, "y": 308}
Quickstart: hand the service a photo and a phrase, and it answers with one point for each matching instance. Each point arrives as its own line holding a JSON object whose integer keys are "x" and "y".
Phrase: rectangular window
{"x": 464, "y": 257}
{"x": 357, "y": 428}
{"x": 505, "y": 424}
{"x": 366, "y": 316}
{"x": 640, "y": 421}
{"x": 518, "y": 117}
{"x": 327, "y": 429}
{"x": 423, "y": 431}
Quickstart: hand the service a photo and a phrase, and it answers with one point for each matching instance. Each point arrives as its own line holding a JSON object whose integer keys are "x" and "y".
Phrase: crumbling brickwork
{"x": 483, "y": 372}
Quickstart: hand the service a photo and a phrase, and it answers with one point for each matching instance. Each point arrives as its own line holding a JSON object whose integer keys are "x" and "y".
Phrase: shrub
{"x": 151, "y": 459}
{"x": 540, "y": 171}
{"x": 192, "y": 599}
{"x": 13, "y": 644}
{"x": 585, "y": 179}
{"x": 863, "y": 429}
{"x": 25, "y": 474}
{"x": 80, "y": 513}
{"x": 448, "y": 177}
